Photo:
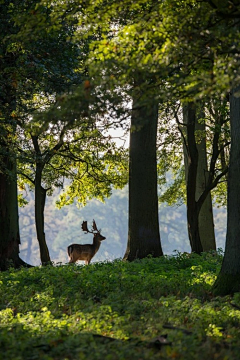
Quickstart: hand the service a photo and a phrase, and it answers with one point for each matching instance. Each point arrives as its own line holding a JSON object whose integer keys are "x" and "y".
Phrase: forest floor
{"x": 150, "y": 309}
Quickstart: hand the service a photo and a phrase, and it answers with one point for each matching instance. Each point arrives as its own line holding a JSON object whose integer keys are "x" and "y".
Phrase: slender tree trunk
{"x": 29, "y": 247}
{"x": 143, "y": 235}
{"x": 205, "y": 218}
{"x": 228, "y": 280}
{"x": 189, "y": 115}
{"x": 40, "y": 199}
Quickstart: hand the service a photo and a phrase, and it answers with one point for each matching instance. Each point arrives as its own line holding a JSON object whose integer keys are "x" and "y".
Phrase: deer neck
{"x": 96, "y": 244}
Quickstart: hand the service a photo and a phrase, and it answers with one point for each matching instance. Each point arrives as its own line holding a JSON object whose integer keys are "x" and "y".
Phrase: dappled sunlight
{"x": 118, "y": 306}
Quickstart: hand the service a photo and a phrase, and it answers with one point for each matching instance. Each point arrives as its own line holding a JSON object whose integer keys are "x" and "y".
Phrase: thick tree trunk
{"x": 228, "y": 280}
{"x": 189, "y": 115}
{"x": 9, "y": 226}
{"x": 143, "y": 235}
{"x": 40, "y": 198}
{"x": 205, "y": 218}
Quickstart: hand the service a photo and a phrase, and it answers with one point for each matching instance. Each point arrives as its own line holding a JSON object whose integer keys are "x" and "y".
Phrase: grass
{"x": 150, "y": 309}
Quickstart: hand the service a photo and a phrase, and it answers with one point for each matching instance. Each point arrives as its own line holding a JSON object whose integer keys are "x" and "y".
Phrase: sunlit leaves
{"x": 117, "y": 309}
{"x": 95, "y": 175}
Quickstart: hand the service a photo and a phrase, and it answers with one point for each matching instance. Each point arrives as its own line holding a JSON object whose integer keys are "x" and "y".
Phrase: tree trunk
{"x": 143, "y": 235}
{"x": 189, "y": 116}
{"x": 29, "y": 246}
{"x": 228, "y": 280}
{"x": 40, "y": 199}
{"x": 205, "y": 218}
{"x": 9, "y": 234}
{"x": 9, "y": 225}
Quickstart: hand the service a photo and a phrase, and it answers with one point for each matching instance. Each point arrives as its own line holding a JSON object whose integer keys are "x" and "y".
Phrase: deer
{"x": 87, "y": 251}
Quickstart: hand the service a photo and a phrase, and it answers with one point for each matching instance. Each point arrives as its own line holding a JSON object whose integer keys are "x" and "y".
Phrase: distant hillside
{"x": 63, "y": 227}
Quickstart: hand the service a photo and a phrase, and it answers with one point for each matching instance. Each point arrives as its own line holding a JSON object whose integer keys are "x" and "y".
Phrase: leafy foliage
{"x": 119, "y": 310}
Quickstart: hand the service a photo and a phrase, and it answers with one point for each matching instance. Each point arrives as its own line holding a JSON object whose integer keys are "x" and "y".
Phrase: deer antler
{"x": 84, "y": 226}
{"x": 94, "y": 226}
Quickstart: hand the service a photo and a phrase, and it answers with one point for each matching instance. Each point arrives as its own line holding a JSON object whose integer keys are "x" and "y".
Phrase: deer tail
{"x": 70, "y": 250}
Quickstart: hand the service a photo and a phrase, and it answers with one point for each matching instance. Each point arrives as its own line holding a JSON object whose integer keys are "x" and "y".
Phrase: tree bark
{"x": 189, "y": 119}
{"x": 29, "y": 246}
{"x": 205, "y": 218}
{"x": 40, "y": 199}
{"x": 9, "y": 225}
{"x": 9, "y": 234}
{"x": 143, "y": 234}
{"x": 228, "y": 280}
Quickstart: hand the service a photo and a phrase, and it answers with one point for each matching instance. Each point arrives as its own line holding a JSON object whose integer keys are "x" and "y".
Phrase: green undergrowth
{"x": 150, "y": 309}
